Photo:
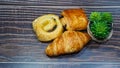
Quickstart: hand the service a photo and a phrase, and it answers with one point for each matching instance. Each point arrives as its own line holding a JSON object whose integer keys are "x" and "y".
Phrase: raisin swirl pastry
{"x": 47, "y": 27}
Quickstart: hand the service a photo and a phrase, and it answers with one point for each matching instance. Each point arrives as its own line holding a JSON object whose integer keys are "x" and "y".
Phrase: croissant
{"x": 47, "y": 27}
{"x": 68, "y": 42}
{"x": 74, "y": 19}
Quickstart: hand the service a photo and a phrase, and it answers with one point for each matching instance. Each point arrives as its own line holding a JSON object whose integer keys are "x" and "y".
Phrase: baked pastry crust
{"x": 74, "y": 19}
{"x": 44, "y": 27}
{"x": 68, "y": 42}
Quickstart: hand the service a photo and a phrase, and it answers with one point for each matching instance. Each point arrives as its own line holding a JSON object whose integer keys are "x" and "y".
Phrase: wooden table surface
{"x": 18, "y": 42}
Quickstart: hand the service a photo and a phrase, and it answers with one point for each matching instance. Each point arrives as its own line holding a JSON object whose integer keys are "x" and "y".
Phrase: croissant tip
{"x": 48, "y": 51}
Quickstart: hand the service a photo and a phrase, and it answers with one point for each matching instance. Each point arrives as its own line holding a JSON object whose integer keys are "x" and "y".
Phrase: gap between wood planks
{"x": 62, "y": 7}
{"x": 108, "y": 63}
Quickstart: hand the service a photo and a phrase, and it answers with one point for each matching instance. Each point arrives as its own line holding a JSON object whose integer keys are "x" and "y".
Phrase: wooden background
{"x": 18, "y": 42}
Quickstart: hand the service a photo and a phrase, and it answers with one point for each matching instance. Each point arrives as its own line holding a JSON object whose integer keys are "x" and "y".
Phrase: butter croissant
{"x": 74, "y": 19}
{"x": 47, "y": 27}
{"x": 68, "y": 42}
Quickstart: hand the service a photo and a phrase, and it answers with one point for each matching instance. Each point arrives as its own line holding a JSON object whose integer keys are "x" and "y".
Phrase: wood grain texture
{"x": 61, "y": 2}
{"x": 59, "y": 65}
{"x": 18, "y": 42}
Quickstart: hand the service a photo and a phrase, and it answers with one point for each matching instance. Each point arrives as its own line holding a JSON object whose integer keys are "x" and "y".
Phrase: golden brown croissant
{"x": 74, "y": 19}
{"x": 68, "y": 42}
{"x": 43, "y": 26}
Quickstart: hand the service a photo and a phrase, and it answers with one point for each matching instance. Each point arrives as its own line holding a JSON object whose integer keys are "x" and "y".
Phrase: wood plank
{"x": 19, "y": 43}
{"x": 60, "y": 65}
{"x": 61, "y": 2}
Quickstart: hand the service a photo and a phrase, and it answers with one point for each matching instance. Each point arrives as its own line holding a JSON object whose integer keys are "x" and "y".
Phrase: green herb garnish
{"x": 106, "y": 16}
{"x": 95, "y": 16}
{"x": 100, "y": 30}
{"x": 100, "y": 24}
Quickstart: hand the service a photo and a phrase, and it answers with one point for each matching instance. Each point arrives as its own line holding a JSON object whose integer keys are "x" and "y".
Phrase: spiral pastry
{"x": 47, "y": 27}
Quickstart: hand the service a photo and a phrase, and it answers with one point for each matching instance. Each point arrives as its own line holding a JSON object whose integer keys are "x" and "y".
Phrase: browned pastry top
{"x": 74, "y": 19}
{"x": 68, "y": 42}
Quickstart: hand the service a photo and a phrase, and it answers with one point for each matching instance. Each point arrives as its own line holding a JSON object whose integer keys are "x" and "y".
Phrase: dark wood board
{"x": 59, "y": 65}
{"x": 18, "y": 42}
{"x": 61, "y": 2}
